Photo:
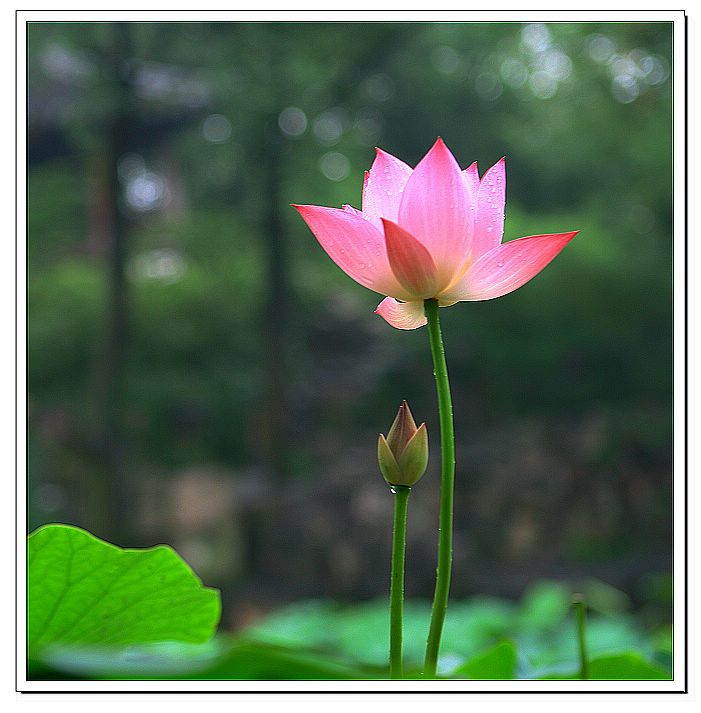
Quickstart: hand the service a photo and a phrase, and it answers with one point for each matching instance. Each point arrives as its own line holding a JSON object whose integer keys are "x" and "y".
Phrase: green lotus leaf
{"x": 84, "y": 591}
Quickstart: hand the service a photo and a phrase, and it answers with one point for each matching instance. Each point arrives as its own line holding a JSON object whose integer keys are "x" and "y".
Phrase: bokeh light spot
{"x": 335, "y": 166}
{"x": 216, "y": 128}
{"x": 328, "y": 127}
{"x": 654, "y": 69}
{"x": 536, "y": 36}
{"x": 514, "y": 73}
{"x": 557, "y": 64}
{"x": 600, "y": 48}
{"x": 625, "y": 89}
{"x": 380, "y": 87}
{"x": 488, "y": 86}
{"x": 146, "y": 191}
{"x": 445, "y": 59}
{"x": 292, "y": 121}
{"x": 542, "y": 85}
{"x": 366, "y": 130}
{"x": 164, "y": 265}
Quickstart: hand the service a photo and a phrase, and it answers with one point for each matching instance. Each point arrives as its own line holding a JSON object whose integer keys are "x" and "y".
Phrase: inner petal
{"x": 411, "y": 263}
{"x": 438, "y": 207}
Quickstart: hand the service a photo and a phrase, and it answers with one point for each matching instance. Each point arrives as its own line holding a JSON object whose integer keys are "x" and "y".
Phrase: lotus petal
{"x": 472, "y": 177}
{"x": 383, "y": 187}
{"x": 506, "y": 267}
{"x": 402, "y": 315}
{"x": 437, "y": 209}
{"x": 411, "y": 263}
{"x": 356, "y": 246}
{"x": 489, "y": 223}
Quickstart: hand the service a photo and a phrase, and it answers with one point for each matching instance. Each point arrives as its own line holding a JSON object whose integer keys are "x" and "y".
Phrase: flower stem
{"x": 396, "y": 592}
{"x": 445, "y": 522}
{"x": 578, "y": 604}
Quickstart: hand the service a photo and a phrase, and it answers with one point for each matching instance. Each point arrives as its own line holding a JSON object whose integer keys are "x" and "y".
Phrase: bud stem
{"x": 445, "y": 523}
{"x": 396, "y": 593}
{"x": 578, "y": 604}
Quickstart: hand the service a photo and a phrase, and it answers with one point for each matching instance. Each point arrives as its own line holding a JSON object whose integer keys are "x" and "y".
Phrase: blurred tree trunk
{"x": 276, "y": 313}
{"x": 271, "y": 153}
{"x": 110, "y": 426}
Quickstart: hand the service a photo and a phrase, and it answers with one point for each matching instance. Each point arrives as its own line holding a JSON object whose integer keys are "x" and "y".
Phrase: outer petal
{"x": 402, "y": 315}
{"x": 507, "y": 267}
{"x": 388, "y": 463}
{"x": 414, "y": 458}
{"x": 355, "y": 245}
{"x": 411, "y": 263}
{"x": 437, "y": 209}
{"x": 383, "y": 187}
{"x": 489, "y": 222}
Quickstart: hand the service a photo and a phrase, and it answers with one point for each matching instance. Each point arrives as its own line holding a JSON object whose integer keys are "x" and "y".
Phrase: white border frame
{"x": 680, "y": 521}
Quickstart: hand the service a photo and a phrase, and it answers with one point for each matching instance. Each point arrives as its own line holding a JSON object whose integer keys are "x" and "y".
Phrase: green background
{"x": 201, "y": 374}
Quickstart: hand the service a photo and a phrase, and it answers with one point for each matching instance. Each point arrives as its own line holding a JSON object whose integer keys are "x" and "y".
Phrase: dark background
{"x": 201, "y": 374}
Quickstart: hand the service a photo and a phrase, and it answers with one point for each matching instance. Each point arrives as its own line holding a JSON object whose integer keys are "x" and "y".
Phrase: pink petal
{"x": 383, "y": 187}
{"x": 402, "y": 315}
{"x": 354, "y": 211}
{"x": 507, "y": 267}
{"x": 355, "y": 245}
{"x": 472, "y": 177}
{"x": 489, "y": 223}
{"x": 437, "y": 209}
{"x": 411, "y": 263}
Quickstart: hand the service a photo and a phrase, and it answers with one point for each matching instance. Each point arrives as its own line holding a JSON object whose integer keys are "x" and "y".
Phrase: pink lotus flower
{"x": 431, "y": 232}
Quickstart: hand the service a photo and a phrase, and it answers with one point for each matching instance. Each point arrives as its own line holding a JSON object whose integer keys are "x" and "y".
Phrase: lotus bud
{"x": 403, "y": 455}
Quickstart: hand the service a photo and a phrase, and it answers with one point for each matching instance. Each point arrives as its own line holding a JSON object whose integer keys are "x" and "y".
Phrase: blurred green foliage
{"x": 541, "y": 624}
{"x": 484, "y": 639}
{"x": 237, "y": 322}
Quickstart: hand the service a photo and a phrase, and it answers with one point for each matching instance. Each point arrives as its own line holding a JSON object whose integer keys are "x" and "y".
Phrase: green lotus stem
{"x": 578, "y": 604}
{"x": 445, "y": 522}
{"x": 396, "y": 592}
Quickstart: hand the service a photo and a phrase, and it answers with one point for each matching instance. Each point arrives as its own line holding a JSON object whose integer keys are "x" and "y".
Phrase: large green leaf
{"x": 628, "y": 666}
{"x": 496, "y": 664}
{"x": 84, "y": 591}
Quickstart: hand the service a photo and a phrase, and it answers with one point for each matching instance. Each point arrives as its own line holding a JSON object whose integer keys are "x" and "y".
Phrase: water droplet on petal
{"x": 500, "y": 264}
